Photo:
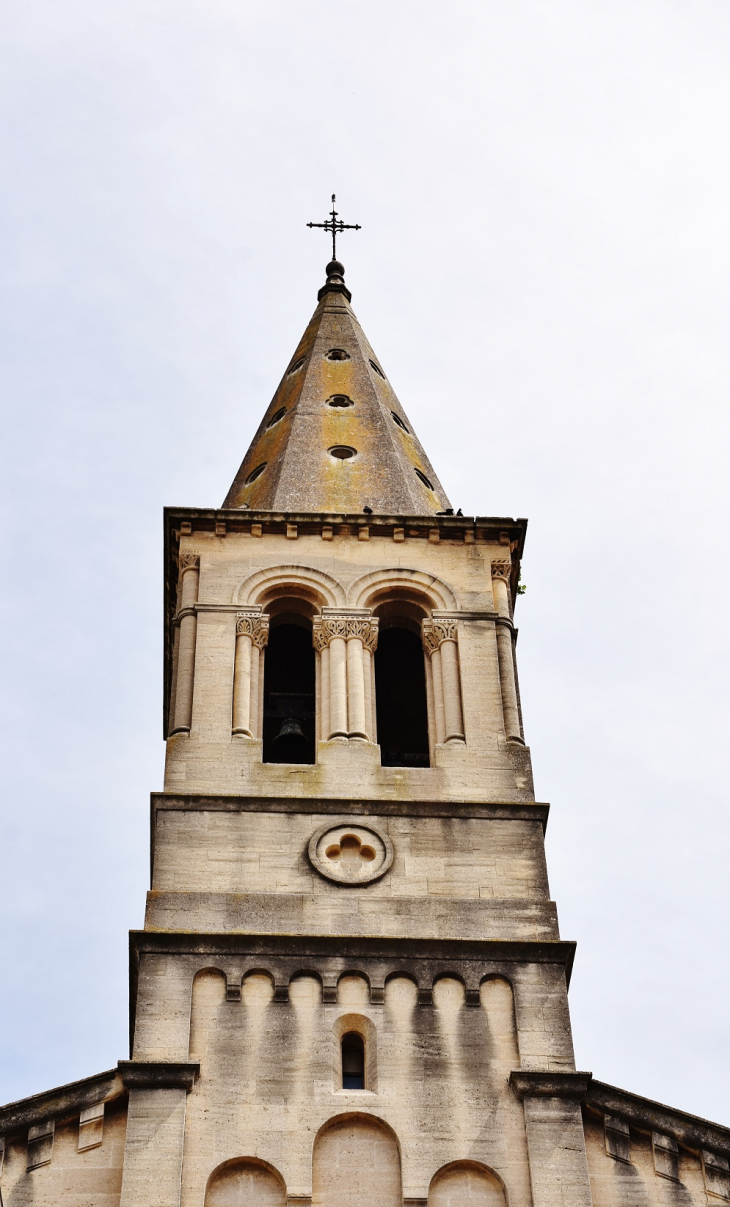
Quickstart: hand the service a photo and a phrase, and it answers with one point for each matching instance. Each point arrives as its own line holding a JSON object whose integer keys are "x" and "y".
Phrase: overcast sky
{"x": 544, "y": 193}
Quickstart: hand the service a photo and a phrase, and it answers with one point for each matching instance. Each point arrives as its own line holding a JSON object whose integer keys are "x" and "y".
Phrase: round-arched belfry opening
{"x": 400, "y": 686}
{"x": 289, "y": 684}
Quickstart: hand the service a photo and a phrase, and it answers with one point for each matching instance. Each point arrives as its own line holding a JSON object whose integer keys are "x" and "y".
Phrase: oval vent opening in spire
{"x": 397, "y": 419}
{"x": 342, "y": 452}
{"x": 275, "y": 418}
{"x": 423, "y": 478}
{"x": 256, "y": 473}
{"x": 337, "y": 354}
{"x": 296, "y": 366}
{"x": 377, "y": 369}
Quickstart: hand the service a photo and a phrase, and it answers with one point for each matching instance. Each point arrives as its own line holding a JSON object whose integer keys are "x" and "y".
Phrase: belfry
{"x": 350, "y": 989}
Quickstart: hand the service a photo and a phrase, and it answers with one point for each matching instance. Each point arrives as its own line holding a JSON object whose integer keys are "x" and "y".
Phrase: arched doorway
{"x": 245, "y": 1183}
{"x": 356, "y": 1163}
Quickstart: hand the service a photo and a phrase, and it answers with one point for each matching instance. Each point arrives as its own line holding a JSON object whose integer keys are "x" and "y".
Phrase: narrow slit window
{"x": 353, "y": 1061}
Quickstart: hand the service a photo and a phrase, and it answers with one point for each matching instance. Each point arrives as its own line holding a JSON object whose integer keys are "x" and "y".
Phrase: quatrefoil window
{"x": 351, "y": 853}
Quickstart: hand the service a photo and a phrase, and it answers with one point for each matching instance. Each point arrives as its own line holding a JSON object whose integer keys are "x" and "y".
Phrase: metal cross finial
{"x": 334, "y": 225}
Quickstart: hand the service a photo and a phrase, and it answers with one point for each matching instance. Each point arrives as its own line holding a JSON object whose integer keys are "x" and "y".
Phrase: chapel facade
{"x": 350, "y": 989}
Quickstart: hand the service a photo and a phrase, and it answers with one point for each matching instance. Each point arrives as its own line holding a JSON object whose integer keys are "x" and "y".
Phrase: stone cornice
{"x": 549, "y": 1083}
{"x": 361, "y": 947}
{"x": 497, "y": 810}
{"x": 63, "y": 1102}
{"x": 158, "y": 1074}
{"x": 497, "y": 529}
{"x": 647, "y": 1116}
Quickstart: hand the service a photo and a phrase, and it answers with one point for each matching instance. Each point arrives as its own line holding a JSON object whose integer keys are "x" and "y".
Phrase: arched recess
{"x": 356, "y": 1163}
{"x": 245, "y": 1182}
{"x": 302, "y": 581}
{"x": 497, "y": 1000}
{"x": 208, "y": 1001}
{"x": 466, "y": 1184}
{"x": 365, "y": 592}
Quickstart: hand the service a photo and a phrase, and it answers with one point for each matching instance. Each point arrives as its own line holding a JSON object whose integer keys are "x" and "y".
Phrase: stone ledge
{"x": 158, "y": 1074}
{"x": 359, "y": 947}
{"x": 216, "y": 803}
{"x": 549, "y": 1083}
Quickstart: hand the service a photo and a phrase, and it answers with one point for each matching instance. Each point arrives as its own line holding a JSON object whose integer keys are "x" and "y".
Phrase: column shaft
{"x": 185, "y": 674}
{"x": 242, "y": 693}
{"x": 338, "y": 687}
{"x": 324, "y": 680}
{"x": 438, "y": 695}
{"x": 367, "y": 674}
{"x": 453, "y": 719}
{"x": 186, "y": 650}
{"x": 507, "y": 682}
{"x": 256, "y": 684}
{"x": 355, "y": 689}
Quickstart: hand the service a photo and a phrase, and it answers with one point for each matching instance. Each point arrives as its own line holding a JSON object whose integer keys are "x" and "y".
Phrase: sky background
{"x": 543, "y": 270}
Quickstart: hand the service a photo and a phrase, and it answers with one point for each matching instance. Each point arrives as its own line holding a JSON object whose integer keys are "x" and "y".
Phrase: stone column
{"x": 505, "y": 651}
{"x": 153, "y": 1148}
{"x": 368, "y": 676}
{"x": 188, "y": 627}
{"x": 555, "y": 1138}
{"x": 252, "y": 634}
{"x": 338, "y": 687}
{"x": 355, "y": 689}
{"x": 346, "y": 641}
{"x": 440, "y": 642}
{"x": 324, "y": 692}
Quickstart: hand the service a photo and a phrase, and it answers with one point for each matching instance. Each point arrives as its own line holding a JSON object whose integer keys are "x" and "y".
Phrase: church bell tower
{"x": 350, "y": 988}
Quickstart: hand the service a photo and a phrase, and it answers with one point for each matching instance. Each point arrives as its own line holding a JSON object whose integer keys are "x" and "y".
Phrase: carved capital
{"x": 325, "y": 628}
{"x": 502, "y": 570}
{"x": 253, "y": 625}
{"x": 189, "y": 561}
{"x": 436, "y": 632}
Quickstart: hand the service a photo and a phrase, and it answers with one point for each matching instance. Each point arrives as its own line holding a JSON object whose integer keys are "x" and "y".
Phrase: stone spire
{"x": 335, "y": 437}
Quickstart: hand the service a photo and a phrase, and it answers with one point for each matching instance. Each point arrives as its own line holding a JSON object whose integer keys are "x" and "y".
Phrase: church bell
{"x": 290, "y": 744}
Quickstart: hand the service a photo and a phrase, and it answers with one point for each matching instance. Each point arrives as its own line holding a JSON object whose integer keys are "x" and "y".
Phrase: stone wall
{"x": 78, "y": 1165}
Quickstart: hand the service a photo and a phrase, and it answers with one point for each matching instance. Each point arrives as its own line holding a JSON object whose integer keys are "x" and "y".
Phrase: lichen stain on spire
{"x": 335, "y": 396}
